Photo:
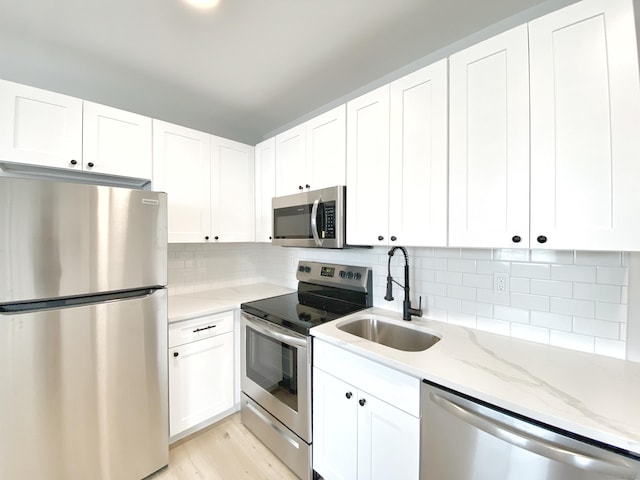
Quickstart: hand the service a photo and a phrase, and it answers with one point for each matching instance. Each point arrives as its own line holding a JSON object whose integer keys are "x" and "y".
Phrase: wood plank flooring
{"x": 224, "y": 451}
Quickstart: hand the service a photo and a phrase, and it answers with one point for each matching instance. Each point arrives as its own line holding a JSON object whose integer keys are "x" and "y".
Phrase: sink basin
{"x": 390, "y": 334}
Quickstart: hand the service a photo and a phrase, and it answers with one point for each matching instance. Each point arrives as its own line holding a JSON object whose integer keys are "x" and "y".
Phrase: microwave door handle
{"x": 314, "y": 222}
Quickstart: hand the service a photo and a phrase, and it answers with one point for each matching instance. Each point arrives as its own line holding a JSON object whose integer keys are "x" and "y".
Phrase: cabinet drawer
{"x": 394, "y": 387}
{"x": 199, "y": 328}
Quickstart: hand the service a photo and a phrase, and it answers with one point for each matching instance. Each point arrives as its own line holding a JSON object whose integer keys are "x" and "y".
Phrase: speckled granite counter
{"x": 186, "y": 306}
{"x": 594, "y": 396}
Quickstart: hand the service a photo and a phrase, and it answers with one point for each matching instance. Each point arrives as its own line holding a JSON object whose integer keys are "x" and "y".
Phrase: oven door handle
{"x": 270, "y": 332}
{"x": 314, "y": 222}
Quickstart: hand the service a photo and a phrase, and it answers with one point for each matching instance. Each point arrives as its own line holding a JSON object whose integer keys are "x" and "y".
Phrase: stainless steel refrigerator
{"x": 83, "y": 331}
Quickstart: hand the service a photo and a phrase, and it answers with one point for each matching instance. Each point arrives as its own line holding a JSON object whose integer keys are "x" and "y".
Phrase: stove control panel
{"x": 342, "y": 276}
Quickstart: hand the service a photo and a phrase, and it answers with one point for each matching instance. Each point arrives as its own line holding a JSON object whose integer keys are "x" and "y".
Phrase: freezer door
{"x": 83, "y": 391}
{"x": 64, "y": 239}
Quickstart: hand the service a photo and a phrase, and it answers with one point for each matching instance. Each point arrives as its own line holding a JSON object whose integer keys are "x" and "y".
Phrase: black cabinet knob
{"x": 74, "y": 162}
{"x": 348, "y": 394}
{"x": 175, "y": 354}
{"x": 542, "y": 239}
{"x": 207, "y": 237}
{"x": 516, "y": 239}
{"x": 270, "y": 237}
{"x": 393, "y": 238}
{"x": 215, "y": 238}
{"x": 380, "y": 237}
{"x": 90, "y": 164}
{"x": 362, "y": 401}
{"x": 300, "y": 187}
{"x": 307, "y": 186}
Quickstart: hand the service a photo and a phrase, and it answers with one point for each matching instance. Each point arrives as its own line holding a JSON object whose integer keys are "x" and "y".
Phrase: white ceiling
{"x": 242, "y": 70}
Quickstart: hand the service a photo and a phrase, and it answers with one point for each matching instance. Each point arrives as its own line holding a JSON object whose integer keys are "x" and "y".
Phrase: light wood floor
{"x": 224, "y": 451}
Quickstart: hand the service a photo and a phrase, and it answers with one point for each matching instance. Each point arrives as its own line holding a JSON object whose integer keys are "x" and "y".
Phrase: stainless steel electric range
{"x": 276, "y": 355}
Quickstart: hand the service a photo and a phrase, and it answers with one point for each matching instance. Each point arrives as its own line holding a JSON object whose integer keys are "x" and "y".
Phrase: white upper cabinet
{"x": 50, "y": 130}
{"x": 116, "y": 142}
{"x": 265, "y": 188}
{"x": 368, "y": 168}
{"x": 232, "y": 191}
{"x": 39, "y": 127}
{"x": 585, "y": 114}
{"x": 489, "y": 143}
{"x": 290, "y": 160}
{"x": 326, "y": 149}
{"x": 311, "y": 156}
{"x": 418, "y": 158}
{"x": 181, "y": 167}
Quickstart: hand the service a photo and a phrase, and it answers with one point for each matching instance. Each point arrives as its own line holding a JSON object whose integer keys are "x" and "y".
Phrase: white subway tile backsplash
{"x": 569, "y": 299}
{"x": 533, "y": 302}
{"x": 455, "y": 265}
{"x": 552, "y": 256}
{"x": 477, "y": 308}
{"x": 554, "y": 321}
{"x": 572, "y": 341}
{"x": 492, "y": 325}
{"x": 527, "y": 332}
{"x": 612, "y": 259}
{"x": 511, "y": 254}
{"x": 612, "y": 275}
{"x": 573, "y": 273}
{"x": 596, "y": 328}
{"x": 511, "y": 314}
{"x": 597, "y": 292}
{"x": 520, "y": 285}
{"x": 550, "y": 288}
{"x": 530, "y": 270}
{"x": 611, "y": 311}
{"x": 477, "y": 280}
{"x": 568, "y": 306}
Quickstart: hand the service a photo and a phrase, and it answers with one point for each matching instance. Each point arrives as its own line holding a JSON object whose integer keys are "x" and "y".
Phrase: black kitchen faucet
{"x": 407, "y": 310}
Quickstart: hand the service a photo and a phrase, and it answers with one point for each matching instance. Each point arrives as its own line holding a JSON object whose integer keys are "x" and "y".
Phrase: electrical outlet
{"x": 501, "y": 282}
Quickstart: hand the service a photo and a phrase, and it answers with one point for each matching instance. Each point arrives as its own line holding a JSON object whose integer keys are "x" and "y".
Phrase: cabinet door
{"x": 232, "y": 191}
{"x": 265, "y": 168}
{"x": 181, "y": 167}
{"x": 116, "y": 142}
{"x": 489, "y": 143}
{"x": 200, "y": 381}
{"x": 585, "y": 106}
{"x": 388, "y": 441}
{"x": 335, "y": 427}
{"x": 368, "y": 168}
{"x": 39, "y": 127}
{"x": 290, "y": 161}
{"x": 418, "y": 158}
{"x": 326, "y": 149}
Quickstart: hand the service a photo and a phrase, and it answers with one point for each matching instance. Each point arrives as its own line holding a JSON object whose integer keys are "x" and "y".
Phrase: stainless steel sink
{"x": 390, "y": 334}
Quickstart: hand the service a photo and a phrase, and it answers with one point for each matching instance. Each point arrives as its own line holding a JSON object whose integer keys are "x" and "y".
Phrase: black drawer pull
{"x": 203, "y": 328}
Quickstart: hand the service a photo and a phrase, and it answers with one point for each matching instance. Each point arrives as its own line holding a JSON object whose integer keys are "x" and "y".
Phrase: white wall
{"x": 575, "y": 300}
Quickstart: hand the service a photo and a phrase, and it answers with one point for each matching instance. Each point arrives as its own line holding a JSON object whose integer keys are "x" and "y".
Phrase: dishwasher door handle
{"x": 533, "y": 443}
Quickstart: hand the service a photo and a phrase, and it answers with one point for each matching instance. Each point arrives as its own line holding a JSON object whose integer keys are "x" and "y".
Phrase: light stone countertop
{"x": 594, "y": 396}
{"x": 192, "y": 305}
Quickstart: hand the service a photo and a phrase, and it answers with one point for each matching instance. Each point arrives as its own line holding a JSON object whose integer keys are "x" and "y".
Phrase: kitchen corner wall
{"x": 575, "y": 300}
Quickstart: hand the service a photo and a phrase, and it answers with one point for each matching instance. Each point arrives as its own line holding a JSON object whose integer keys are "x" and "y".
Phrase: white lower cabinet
{"x": 366, "y": 418}
{"x": 201, "y": 370}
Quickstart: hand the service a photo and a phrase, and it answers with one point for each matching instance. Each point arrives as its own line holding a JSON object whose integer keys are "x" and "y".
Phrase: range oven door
{"x": 276, "y": 372}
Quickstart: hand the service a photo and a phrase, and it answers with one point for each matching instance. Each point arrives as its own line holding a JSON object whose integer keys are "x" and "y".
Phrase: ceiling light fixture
{"x": 203, "y": 3}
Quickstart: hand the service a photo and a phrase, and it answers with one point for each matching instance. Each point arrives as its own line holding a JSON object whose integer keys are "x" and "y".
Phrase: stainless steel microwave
{"x": 310, "y": 219}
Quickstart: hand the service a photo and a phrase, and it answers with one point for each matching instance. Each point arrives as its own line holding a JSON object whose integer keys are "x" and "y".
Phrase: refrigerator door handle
{"x": 533, "y": 443}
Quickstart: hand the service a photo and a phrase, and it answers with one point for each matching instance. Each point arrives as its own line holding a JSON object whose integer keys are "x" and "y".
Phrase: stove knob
{"x": 357, "y": 276}
{"x": 307, "y": 269}
{"x": 350, "y": 275}
{"x": 342, "y": 274}
{"x": 301, "y": 268}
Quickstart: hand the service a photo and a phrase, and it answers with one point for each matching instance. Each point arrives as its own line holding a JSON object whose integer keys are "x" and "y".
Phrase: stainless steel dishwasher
{"x": 465, "y": 439}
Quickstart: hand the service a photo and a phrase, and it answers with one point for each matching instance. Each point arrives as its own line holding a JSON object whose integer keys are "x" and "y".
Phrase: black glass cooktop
{"x": 310, "y": 306}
